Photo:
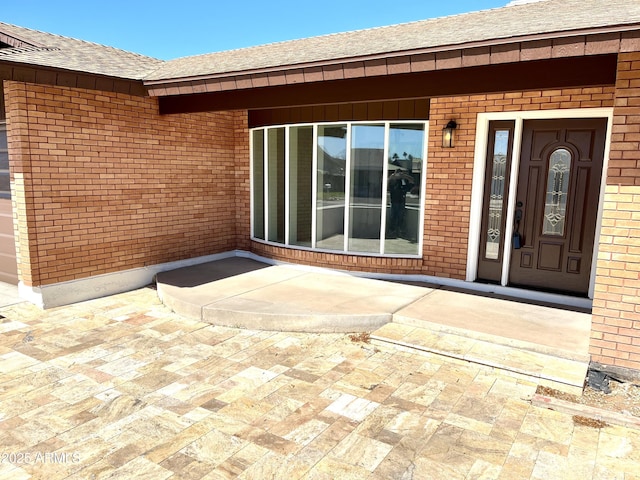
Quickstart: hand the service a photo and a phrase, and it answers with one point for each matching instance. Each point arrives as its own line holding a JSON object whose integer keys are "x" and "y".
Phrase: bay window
{"x": 352, "y": 187}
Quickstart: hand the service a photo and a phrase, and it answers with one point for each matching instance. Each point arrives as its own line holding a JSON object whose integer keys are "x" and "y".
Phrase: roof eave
{"x": 386, "y": 55}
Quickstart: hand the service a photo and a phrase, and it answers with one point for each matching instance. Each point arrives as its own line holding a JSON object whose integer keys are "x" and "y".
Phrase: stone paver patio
{"x": 121, "y": 387}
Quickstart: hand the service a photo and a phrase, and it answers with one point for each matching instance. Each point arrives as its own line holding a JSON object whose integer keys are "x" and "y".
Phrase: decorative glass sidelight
{"x": 496, "y": 198}
{"x": 555, "y": 209}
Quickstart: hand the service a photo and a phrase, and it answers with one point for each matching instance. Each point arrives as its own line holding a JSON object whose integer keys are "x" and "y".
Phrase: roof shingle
{"x": 500, "y": 25}
{"x": 55, "y": 51}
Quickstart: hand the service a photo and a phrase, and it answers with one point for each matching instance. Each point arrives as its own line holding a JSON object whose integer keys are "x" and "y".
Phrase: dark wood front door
{"x": 557, "y": 204}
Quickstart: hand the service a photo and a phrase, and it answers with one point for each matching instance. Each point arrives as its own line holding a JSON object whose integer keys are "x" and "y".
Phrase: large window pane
{"x": 384, "y": 198}
{"x": 365, "y": 200}
{"x": 332, "y": 151}
{"x": 258, "y": 184}
{"x": 276, "y": 185}
{"x": 404, "y": 170}
{"x": 300, "y": 182}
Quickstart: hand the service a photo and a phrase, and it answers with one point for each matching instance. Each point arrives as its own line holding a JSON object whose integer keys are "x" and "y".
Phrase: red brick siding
{"x": 340, "y": 261}
{"x": 104, "y": 183}
{"x": 615, "y": 334}
{"x": 448, "y": 192}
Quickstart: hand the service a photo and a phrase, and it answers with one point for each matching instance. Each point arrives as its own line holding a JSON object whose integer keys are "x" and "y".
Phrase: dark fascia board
{"x": 618, "y": 29}
{"x": 596, "y": 70}
{"x": 60, "y": 77}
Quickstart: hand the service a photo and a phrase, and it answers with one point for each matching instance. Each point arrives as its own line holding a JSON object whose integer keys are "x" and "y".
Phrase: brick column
{"x": 615, "y": 334}
{"x": 21, "y": 196}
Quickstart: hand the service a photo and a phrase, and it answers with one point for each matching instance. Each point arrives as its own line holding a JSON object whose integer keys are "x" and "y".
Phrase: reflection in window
{"x": 258, "y": 184}
{"x": 363, "y": 203}
{"x": 404, "y": 177}
{"x": 275, "y": 185}
{"x": 300, "y": 181}
{"x": 332, "y": 163}
{"x": 5, "y": 187}
{"x": 496, "y": 197}
{"x": 557, "y": 188}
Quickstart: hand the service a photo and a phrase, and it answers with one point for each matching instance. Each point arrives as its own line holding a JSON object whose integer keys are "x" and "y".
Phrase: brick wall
{"x": 615, "y": 336}
{"x": 103, "y": 183}
{"x": 449, "y": 174}
{"x": 242, "y": 182}
{"x": 340, "y": 261}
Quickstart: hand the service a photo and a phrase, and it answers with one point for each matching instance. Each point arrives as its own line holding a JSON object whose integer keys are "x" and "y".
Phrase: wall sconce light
{"x": 447, "y": 134}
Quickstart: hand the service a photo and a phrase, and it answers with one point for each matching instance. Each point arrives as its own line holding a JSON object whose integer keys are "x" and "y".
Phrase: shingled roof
{"x": 33, "y": 47}
{"x": 543, "y": 19}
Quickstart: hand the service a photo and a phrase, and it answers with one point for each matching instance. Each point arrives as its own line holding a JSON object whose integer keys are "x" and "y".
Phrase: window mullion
{"x": 314, "y": 186}
{"x": 347, "y": 189}
{"x": 385, "y": 179}
{"x": 252, "y": 180}
{"x": 423, "y": 186}
{"x": 266, "y": 183}
{"x": 287, "y": 194}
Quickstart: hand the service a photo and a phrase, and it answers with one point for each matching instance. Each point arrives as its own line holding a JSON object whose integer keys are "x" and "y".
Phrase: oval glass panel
{"x": 555, "y": 209}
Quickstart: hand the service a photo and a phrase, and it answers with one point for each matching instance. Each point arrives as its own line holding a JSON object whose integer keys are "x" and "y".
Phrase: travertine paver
{"x": 120, "y": 387}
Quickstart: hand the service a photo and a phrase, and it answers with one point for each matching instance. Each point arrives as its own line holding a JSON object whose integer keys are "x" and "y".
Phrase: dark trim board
{"x": 67, "y": 78}
{"x": 594, "y": 70}
{"x": 391, "y": 110}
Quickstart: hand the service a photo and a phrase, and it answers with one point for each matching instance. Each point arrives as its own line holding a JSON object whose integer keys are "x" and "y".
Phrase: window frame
{"x": 5, "y": 194}
{"x": 348, "y": 166}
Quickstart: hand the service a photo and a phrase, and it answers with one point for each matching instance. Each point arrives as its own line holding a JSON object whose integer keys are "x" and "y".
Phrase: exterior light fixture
{"x": 447, "y": 134}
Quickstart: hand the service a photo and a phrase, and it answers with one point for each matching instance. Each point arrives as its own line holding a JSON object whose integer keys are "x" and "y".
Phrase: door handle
{"x": 517, "y": 238}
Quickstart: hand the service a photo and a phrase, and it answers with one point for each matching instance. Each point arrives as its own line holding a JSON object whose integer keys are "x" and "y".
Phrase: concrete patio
{"x": 121, "y": 387}
{"x": 544, "y": 342}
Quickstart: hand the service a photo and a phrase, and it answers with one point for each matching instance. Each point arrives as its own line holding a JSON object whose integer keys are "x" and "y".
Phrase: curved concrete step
{"x": 282, "y": 298}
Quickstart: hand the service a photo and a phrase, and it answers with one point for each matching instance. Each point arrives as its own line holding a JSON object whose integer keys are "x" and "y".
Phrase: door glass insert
{"x": 557, "y": 188}
{"x": 496, "y": 197}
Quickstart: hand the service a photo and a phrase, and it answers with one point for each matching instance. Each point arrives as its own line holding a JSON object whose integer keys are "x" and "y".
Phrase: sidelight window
{"x": 497, "y": 192}
{"x": 5, "y": 187}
